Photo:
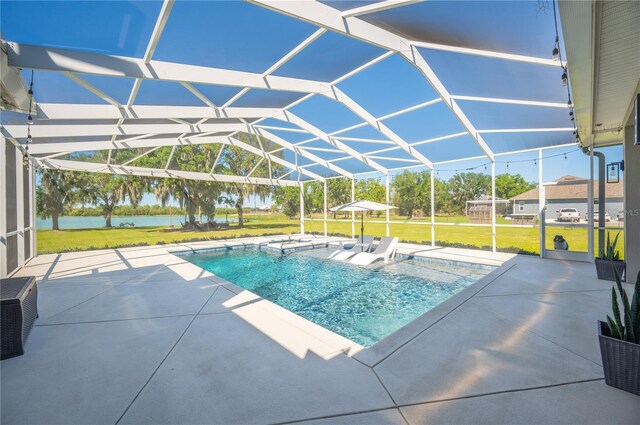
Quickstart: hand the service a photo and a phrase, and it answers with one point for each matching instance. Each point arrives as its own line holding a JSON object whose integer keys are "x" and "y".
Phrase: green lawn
{"x": 510, "y": 239}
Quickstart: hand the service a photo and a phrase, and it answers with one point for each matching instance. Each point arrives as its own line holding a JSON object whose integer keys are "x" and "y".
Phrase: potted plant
{"x": 609, "y": 263}
{"x": 620, "y": 340}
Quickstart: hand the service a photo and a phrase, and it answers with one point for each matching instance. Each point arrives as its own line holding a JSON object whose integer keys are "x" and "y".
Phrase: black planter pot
{"x": 620, "y": 361}
{"x": 605, "y": 269}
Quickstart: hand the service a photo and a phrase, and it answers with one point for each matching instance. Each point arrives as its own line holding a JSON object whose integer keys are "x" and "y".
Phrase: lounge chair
{"x": 362, "y": 245}
{"x": 385, "y": 250}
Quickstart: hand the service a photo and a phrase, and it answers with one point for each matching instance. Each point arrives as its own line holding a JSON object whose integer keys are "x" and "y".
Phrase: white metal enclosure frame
{"x": 319, "y": 153}
{"x": 349, "y": 23}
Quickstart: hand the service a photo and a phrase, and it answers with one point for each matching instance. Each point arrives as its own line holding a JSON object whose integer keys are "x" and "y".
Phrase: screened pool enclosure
{"x": 337, "y": 88}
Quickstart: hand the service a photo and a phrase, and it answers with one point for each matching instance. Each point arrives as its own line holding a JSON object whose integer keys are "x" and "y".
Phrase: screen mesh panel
{"x": 27, "y": 244}
{"x": 10, "y": 180}
{"x": 12, "y": 253}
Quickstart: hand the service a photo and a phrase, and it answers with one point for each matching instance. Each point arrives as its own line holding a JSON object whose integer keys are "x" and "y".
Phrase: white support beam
{"x": 217, "y": 160}
{"x": 433, "y": 206}
{"x": 388, "y": 158}
{"x": 361, "y": 68}
{"x": 362, "y": 140}
{"x": 265, "y": 155}
{"x": 93, "y": 89}
{"x": 353, "y": 214}
{"x": 319, "y": 149}
{"x": 301, "y": 208}
{"x": 410, "y": 109}
{"x": 204, "y": 99}
{"x": 163, "y": 17}
{"x": 324, "y": 200}
{"x": 541, "y": 206}
{"x": 489, "y": 54}
{"x": 299, "y": 48}
{"x": 562, "y": 105}
{"x": 285, "y": 174}
{"x": 525, "y": 130}
{"x": 435, "y": 139}
{"x": 418, "y": 60}
{"x": 377, "y": 7}
{"x": 40, "y": 148}
{"x": 161, "y": 21}
{"x": 255, "y": 167}
{"x": 236, "y": 97}
{"x": 387, "y": 199}
{"x": 97, "y": 130}
{"x": 353, "y": 106}
{"x": 290, "y": 130}
{"x": 59, "y": 164}
{"x": 316, "y": 159}
{"x": 142, "y": 155}
{"x": 55, "y": 59}
{"x": 334, "y": 142}
{"x": 173, "y": 151}
{"x": 493, "y": 207}
{"x": 63, "y": 111}
{"x": 327, "y": 17}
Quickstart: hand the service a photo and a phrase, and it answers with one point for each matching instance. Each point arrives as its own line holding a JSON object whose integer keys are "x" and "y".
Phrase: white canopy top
{"x": 363, "y": 206}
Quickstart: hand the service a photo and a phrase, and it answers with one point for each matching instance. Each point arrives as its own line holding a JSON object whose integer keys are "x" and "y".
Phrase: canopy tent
{"x": 342, "y": 88}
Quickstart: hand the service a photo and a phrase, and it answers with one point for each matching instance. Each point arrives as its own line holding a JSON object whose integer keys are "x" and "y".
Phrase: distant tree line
{"x": 60, "y": 191}
{"x": 410, "y": 192}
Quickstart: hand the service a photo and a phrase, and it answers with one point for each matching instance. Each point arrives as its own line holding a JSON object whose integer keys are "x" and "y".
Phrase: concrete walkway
{"x": 139, "y": 335}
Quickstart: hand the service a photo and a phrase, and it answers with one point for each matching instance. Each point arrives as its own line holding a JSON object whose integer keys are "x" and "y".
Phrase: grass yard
{"x": 510, "y": 239}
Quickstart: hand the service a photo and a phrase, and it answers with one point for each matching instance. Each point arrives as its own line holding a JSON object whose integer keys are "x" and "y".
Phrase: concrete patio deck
{"x": 139, "y": 335}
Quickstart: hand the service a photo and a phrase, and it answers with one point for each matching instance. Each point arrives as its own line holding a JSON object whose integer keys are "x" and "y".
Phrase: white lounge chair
{"x": 362, "y": 245}
{"x": 386, "y": 250}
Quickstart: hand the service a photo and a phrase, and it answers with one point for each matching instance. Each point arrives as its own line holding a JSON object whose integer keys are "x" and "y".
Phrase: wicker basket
{"x": 605, "y": 269}
{"x": 620, "y": 361}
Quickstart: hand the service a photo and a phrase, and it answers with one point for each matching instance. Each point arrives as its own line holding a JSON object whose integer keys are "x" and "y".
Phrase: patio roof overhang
{"x": 378, "y": 87}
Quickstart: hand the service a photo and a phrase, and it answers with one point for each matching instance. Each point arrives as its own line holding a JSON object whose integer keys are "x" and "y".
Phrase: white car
{"x": 596, "y": 216}
{"x": 568, "y": 214}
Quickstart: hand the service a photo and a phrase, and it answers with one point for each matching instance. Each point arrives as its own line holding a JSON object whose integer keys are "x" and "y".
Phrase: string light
{"x": 486, "y": 164}
{"x": 555, "y": 53}
{"x": 25, "y": 154}
{"x": 557, "y": 56}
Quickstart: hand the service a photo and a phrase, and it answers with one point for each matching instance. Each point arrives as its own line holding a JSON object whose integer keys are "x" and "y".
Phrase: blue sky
{"x": 238, "y": 35}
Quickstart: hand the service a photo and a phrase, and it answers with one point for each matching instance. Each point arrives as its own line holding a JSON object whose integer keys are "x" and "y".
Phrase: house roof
{"x": 572, "y": 187}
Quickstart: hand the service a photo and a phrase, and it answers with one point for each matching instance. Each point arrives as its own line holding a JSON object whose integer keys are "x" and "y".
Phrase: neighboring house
{"x": 569, "y": 192}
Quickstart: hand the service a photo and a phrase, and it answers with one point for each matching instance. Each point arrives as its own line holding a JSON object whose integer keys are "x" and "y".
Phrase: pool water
{"x": 363, "y": 304}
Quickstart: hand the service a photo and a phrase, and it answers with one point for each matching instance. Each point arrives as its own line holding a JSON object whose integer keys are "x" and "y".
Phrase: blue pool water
{"x": 364, "y": 304}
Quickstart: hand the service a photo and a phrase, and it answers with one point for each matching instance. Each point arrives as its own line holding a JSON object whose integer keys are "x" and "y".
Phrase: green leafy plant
{"x": 626, "y": 326}
{"x": 609, "y": 252}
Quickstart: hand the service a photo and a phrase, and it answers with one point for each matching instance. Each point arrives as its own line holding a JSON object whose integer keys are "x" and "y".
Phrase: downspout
{"x": 601, "y": 195}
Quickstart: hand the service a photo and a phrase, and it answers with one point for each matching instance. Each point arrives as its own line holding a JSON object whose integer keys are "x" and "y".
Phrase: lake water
{"x": 139, "y": 221}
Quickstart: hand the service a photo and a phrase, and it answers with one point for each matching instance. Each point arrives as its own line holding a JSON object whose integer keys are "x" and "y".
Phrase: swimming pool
{"x": 363, "y": 304}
